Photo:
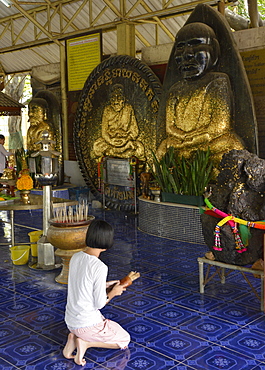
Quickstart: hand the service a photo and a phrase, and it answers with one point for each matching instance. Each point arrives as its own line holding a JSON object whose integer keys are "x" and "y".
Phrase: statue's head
{"x": 117, "y": 98}
{"x": 196, "y": 51}
{"x": 38, "y": 108}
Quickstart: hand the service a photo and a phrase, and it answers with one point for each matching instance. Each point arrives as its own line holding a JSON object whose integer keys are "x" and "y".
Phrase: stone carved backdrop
{"x": 126, "y": 129}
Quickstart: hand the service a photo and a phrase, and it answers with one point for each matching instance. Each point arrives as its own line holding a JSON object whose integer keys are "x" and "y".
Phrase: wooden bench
{"x": 220, "y": 268}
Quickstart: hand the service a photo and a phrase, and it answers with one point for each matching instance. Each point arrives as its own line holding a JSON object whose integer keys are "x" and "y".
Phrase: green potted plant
{"x": 183, "y": 180}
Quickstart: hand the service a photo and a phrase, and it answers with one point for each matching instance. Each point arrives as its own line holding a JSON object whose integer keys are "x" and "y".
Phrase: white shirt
{"x": 3, "y": 154}
{"x": 86, "y": 290}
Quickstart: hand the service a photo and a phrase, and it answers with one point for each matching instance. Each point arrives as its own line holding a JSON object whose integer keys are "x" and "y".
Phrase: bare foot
{"x": 81, "y": 347}
{"x": 70, "y": 346}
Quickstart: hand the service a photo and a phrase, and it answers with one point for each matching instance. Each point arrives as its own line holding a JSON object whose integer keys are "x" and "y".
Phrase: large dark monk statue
{"x": 199, "y": 105}
{"x": 199, "y": 109}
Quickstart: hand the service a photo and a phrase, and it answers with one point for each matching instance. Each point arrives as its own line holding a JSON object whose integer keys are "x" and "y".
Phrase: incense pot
{"x": 69, "y": 238}
{"x": 68, "y": 235}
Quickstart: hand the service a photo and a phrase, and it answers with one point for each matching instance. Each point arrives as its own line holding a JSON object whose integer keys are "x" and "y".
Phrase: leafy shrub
{"x": 181, "y": 175}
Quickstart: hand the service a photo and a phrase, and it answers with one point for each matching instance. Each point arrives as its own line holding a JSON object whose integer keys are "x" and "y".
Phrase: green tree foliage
{"x": 242, "y": 9}
{"x": 261, "y": 8}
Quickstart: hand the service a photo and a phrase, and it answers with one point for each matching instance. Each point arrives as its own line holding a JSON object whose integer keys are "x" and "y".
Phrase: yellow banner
{"x": 83, "y": 55}
{"x": 254, "y": 62}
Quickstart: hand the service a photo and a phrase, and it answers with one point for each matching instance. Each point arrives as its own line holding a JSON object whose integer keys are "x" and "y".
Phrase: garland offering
{"x": 24, "y": 181}
{"x": 233, "y": 222}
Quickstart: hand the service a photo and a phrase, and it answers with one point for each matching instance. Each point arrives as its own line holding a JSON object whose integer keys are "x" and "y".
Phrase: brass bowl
{"x": 68, "y": 236}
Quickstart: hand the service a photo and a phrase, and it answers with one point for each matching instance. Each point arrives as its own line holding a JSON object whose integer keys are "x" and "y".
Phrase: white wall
{"x": 157, "y": 54}
{"x": 253, "y": 38}
{"x": 71, "y": 168}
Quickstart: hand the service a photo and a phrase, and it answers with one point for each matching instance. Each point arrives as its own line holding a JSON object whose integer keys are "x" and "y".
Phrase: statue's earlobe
{"x": 216, "y": 53}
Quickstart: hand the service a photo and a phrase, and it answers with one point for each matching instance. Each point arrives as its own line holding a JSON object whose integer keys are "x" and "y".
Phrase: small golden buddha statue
{"x": 10, "y": 172}
{"x": 38, "y": 108}
{"x": 119, "y": 129}
{"x": 199, "y": 107}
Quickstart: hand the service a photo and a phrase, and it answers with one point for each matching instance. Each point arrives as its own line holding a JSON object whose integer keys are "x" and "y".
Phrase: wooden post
{"x": 221, "y": 7}
{"x": 126, "y": 39}
{"x": 64, "y": 103}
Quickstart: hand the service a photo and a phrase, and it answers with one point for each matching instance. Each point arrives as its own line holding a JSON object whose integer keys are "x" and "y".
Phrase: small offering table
{"x": 220, "y": 270}
{"x": 36, "y": 202}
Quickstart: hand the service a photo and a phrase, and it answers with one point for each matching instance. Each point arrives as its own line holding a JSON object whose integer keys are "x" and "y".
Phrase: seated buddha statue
{"x": 10, "y": 172}
{"x": 119, "y": 129}
{"x": 38, "y": 108}
{"x": 199, "y": 106}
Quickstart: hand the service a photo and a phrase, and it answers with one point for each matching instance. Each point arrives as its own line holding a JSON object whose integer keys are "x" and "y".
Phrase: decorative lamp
{"x": 47, "y": 178}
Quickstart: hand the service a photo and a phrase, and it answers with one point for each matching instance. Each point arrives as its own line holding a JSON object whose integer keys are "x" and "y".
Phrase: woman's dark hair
{"x": 100, "y": 235}
{"x": 1, "y": 137}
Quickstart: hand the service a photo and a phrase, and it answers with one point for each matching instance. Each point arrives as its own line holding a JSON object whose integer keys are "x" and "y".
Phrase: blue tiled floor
{"x": 172, "y": 325}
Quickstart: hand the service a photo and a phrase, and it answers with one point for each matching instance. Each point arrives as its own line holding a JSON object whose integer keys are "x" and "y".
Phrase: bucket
{"x": 20, "y": 254}
{"x": 34, "y": 237}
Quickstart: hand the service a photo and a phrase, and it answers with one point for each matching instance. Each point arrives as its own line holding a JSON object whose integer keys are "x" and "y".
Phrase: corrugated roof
{"x": 8, "y": 106}
{"x": 31, "y": 31}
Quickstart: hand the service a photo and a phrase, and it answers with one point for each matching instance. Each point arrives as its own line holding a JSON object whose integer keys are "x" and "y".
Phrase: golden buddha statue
{"x": 10, "y": 172}
{"x": 199, "y": 106}
{"x": 38, "y": 123}
{"x": 119, "y": 129}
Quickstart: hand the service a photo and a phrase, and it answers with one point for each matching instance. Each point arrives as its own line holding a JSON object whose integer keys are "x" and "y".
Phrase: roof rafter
{"x": 33, "y": 20}
{"x": 54, "y": 11}
{"x": 37, "y": 24}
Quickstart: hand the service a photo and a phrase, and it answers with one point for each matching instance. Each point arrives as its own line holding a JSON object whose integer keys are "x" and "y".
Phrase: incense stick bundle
{"x": 127, "y": 280}
{"x": 77, "y": 214}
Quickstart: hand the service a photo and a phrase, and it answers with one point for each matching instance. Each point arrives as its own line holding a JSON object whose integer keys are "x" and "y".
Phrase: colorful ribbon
{"x": 232, "y": 221}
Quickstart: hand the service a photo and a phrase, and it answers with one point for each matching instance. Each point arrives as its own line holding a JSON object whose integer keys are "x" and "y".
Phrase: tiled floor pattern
{"x": 172, "y": 326}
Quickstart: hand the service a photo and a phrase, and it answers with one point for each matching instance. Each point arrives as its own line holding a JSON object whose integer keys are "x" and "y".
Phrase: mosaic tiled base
{"x": 171, "y": 221}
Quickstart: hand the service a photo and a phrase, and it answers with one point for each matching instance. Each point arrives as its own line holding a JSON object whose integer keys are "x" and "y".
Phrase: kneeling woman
{"x": 87, "y": 295}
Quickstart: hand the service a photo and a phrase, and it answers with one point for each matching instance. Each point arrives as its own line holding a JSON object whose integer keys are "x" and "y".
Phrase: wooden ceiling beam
{"x": 68, "y": 27}
{"x": 28, "y": 16}
{"x": 113, "y": 8}
{"x": 73, "y": 18}
{"x": 141, "y": 38}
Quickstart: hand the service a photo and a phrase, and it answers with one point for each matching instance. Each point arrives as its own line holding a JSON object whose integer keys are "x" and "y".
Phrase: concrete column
{"x": 126, "y": 39}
